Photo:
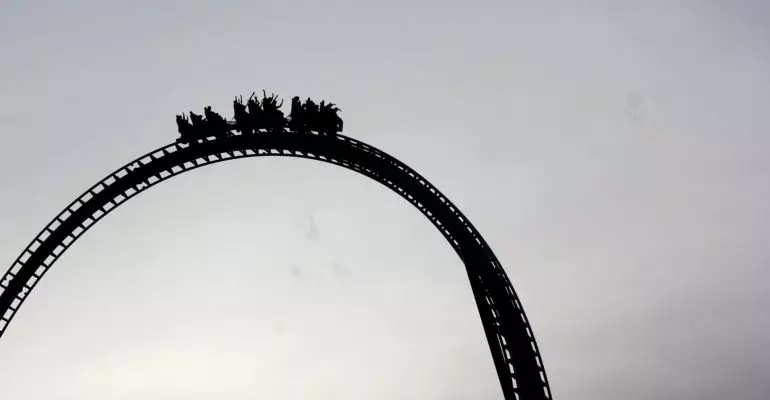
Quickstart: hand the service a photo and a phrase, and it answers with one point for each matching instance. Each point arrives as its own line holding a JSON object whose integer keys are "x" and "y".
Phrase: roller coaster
{"x": 310, "y": 135}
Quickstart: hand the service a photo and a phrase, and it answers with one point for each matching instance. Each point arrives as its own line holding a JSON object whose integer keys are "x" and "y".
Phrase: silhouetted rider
{"x": 198, "y": 125}
{"x": 255, "y": 113}
{"x": 329, "y": 122}
{"x": 297, "y": 116}
{"x": 326, "y": 118}
{"x": 186, "y": 133}
{"x": 274, "y": 121}
{"x": 217, "y": 124}
{"x": 311, "y": 115}
{"x": 242, "y": 121}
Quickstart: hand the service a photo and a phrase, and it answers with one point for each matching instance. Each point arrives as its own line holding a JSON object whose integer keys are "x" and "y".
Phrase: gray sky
{"x": 615, "y": 156}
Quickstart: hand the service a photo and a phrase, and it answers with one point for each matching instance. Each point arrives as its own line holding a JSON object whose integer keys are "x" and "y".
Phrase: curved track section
{"x": 510, "y": 338}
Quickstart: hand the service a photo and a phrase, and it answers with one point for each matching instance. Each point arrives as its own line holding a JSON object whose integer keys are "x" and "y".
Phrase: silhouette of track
{"x": 510, "y": 338}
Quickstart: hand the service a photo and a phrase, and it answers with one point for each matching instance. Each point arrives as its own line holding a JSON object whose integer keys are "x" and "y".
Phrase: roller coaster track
{"x": 510, "y": 338}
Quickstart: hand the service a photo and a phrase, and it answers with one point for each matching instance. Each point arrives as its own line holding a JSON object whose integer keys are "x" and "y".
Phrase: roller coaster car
{"x": 329, "y": 123}
{"x": 190, "y": 130}
{"x": 310, "y": 117}
{"x": 216, "y": 124}
{"x": 199, "y": 127}
{"x": 262, "y": 115}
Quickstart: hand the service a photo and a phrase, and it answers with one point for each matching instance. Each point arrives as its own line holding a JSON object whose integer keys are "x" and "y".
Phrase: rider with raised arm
{"x": 242, "y": 121}
{"x": 274, "y": 120}
{"x": 255, "y": 114}
{"x": 329, "y": 122}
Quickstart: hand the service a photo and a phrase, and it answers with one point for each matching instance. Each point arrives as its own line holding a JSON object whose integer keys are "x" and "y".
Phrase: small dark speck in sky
{"x": 340, "y": 270}
{"x": 313, "y": 234}
{"x": 633, "y": 103}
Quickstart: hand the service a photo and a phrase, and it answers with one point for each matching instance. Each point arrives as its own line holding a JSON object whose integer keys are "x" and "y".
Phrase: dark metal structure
{"x": 510, "y": 338}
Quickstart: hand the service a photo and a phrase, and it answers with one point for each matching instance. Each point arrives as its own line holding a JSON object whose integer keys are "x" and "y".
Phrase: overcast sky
{"x": 614, "y": 154}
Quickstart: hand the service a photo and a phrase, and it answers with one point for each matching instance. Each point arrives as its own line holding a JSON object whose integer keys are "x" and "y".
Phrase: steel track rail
{"x": 509, "y": 335}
